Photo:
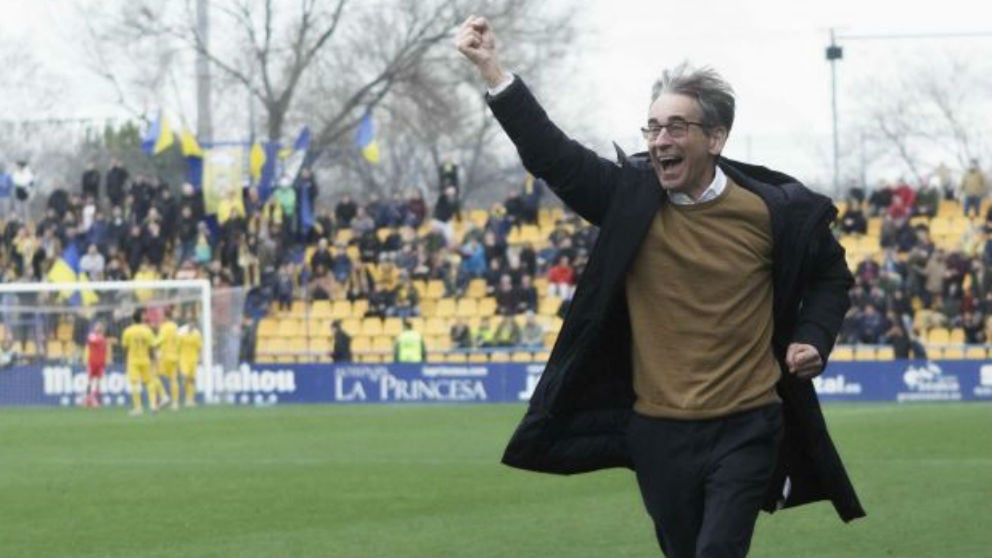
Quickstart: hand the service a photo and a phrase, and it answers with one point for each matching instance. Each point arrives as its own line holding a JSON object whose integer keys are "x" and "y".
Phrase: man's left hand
{"x": 803, "y": 360}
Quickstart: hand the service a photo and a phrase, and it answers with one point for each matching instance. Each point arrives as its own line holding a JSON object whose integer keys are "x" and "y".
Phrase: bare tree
{"x": 324, "y": 63}
{"x": 930, "y": 109}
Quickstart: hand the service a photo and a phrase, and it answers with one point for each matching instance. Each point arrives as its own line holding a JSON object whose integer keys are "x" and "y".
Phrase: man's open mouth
{"x": 669, "y": 162}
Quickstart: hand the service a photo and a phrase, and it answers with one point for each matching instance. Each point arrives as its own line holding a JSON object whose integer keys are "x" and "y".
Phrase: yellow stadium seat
{"x": 343, "y": 235}
{"x": 55, "y": 349}
{"x": 521, "y": 356}
{"x": 64, "y": 331}
{"x": 435, "y": 289}
{"x": 487, "y": 306}
{"x": 435, "y": 356}
{"x": 392, "y": 326}
{"x": 371, "y": 326}
{"x": 939, "y": 336}
{"x": 541, "y": 284}
{"x": 976, "y": 353}
{"x": 438, "y": 343}
{"x": 352, "y": 326}
{"x": 298, "y": 308}
{"x": 288, "y": 327}
{"x": 478, "y": 357}
{"x": 267, "y": 327}
{"x": 842, "y": 353}
{"x": 320, "y": 309}
{"x": 957, "y": 335}
{"x": 361, "y": 343}
{"x": 262, "y": 345}
{"x": 263, "y": 358}
{"x": 359, "y": 308}
{"x": 542, "y": 356}
{"x": 382, "y": 343}
{"x": 341, "y": 309}
{"x": 885, "y": 353}
{"x": 435, "y": 326}
{"x": 530, "y": 233}
{"x": 466, "y": 308}
{"x": 476, "y": 288}
{"x": 499, "y": 356}
{"x": 456, "y": 357}
{"x": 549, "y": 340}
{"x": 478, "y": 217}
{"x": 321, "y": 344}
{"x": 953, "y": 353}
{"x": 445, "y": 308}
{"x": 865, "y": 353}
{"x": 428, "y": 306}
{"x": 875, "y": 226}
{"x": 549, "y": 305}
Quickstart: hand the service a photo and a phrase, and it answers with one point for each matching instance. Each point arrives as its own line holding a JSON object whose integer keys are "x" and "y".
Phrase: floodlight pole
{"x": 834, "y": 53}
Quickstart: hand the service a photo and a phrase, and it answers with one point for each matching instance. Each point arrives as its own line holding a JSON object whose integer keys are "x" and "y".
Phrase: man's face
{"x": 683, "y": 164}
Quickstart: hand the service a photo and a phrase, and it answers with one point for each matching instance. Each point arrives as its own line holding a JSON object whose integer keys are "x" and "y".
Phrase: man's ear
{"x": 717, "y": 138}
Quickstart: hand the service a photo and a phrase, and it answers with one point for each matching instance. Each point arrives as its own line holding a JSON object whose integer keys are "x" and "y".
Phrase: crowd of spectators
{"x": 916, "y": 286}
{"x": 125, "y": 226}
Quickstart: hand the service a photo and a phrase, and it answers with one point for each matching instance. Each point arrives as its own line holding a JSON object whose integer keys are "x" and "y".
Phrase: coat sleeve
{"x": 582, "y": 179}
{"x": 825, "y": 298}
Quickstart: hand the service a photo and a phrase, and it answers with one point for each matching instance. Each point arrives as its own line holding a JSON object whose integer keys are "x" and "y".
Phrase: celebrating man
{"x": 714, "y": 294}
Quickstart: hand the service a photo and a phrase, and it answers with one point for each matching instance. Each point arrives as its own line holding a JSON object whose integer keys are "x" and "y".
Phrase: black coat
{"x": 577, "y": 417}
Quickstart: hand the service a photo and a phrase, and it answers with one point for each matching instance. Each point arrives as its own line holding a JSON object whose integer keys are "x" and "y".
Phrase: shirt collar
{"x": 711, "y": 192}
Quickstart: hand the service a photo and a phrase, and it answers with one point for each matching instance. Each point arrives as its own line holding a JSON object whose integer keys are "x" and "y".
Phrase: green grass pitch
{"x": 424, "y": 481}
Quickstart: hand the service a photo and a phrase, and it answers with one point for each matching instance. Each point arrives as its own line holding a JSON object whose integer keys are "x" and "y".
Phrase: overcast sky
{"x": 772, "y": 52}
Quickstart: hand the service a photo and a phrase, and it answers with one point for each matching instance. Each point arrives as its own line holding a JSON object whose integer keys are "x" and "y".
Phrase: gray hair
{"x": 714, "y": 95}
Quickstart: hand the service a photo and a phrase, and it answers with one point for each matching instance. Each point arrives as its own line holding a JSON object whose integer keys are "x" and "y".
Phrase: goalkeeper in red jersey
{"x": 96, "y": 360}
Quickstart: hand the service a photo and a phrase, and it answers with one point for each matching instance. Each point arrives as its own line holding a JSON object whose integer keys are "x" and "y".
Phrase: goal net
{"x": 44, "y": 328}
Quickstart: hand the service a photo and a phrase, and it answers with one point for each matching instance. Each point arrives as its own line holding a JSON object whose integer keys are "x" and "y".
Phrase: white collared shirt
{"x": 711, "y": 192}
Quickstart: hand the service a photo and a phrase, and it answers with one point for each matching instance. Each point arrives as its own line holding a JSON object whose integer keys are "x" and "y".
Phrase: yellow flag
{"x": 256, "y": 160}
{"x": 165, "y": 137}
{"x": 190, "y": 147}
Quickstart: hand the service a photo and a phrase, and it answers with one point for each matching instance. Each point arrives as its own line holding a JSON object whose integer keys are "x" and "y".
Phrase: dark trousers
{"x": 703, "y": 481}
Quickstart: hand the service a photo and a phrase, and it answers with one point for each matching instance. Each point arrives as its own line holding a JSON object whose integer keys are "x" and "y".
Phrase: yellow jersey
{"x": 190, "y": 344}
{"x": 167, "y": 341}
{"x": 138, "y": 340}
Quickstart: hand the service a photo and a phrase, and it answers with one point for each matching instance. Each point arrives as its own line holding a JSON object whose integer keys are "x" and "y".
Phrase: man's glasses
{"x": 676, "y": 129}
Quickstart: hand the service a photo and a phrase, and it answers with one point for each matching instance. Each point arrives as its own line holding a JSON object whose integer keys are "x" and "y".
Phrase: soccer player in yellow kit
{"x": 190, "y": 344}
{"x": 167, "y": 345}
{"x": 138, "y": 340}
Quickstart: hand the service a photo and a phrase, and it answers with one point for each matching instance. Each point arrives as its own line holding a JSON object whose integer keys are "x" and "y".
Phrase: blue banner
{"x": 896, "y": 381}
{"x": 294, "y": 383}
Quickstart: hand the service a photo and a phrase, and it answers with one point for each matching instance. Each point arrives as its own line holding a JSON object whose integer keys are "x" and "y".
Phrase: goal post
{"x": 47, "y": 323}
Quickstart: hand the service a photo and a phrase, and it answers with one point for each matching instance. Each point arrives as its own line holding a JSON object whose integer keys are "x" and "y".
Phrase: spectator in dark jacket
{"x": 91, "y": 182}
{"x": 341, "y": 351}
{"x": 853, "y": 221}
{"x": 345, "y": 211}
{"x": 116, "y": 183}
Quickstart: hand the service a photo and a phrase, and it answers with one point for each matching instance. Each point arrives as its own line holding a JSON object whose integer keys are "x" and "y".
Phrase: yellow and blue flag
{"x": 159, "y": 136}
{"x": 365, "y": 138}
{"x": 193, "y": 154}
{"x": 65, "y": 270}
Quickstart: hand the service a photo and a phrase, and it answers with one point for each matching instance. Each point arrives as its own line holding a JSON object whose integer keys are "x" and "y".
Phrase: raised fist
{"x": 475, "y": 39}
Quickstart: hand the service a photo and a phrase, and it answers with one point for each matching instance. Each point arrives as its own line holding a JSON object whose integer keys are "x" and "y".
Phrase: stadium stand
{"x": 923, "y": 283}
